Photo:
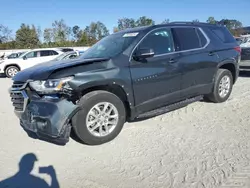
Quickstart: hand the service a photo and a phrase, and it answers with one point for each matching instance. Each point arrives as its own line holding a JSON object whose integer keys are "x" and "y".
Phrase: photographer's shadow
{"x": 24, "y": 179}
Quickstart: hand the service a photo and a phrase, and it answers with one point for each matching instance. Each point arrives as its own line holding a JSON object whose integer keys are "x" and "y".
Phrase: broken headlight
{"x": 50, "y": 86}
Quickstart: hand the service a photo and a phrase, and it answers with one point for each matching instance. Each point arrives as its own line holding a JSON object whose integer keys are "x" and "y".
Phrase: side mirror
{"x": 24, "y": 57}
{"x": 144, "y": 53}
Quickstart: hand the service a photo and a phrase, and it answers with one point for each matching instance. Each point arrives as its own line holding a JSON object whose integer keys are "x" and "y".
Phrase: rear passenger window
{"x": 223, "y": 34}
{"x": 44, "y": 53}
{"x": 186, "y": 38}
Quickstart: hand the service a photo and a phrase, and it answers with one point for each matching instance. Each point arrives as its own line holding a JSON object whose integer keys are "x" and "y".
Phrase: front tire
{"x": 101, "y": 118}
{"x": 222, "y": 86}
{"x": 11, "y": 71}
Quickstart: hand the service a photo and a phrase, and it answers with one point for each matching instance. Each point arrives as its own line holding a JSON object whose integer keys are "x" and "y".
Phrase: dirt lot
{"x": 201, "y": 145}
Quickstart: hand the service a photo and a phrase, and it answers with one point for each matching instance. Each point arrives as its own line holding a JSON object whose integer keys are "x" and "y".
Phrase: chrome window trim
{"x": 170, "y": 53}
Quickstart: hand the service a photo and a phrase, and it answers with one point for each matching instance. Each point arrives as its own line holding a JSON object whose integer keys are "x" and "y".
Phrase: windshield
{"x": 23, "y": 54}
{"x": 110, "y": 46}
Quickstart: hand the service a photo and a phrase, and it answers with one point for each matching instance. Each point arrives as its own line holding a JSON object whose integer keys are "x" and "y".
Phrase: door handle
{"x": 211, "y": 53}
{"x": 172, "y": 61}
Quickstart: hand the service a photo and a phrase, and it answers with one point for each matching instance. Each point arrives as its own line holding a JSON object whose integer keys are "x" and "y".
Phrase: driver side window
{"x": 160, "y": 41}
{"x": 31, "y": 55}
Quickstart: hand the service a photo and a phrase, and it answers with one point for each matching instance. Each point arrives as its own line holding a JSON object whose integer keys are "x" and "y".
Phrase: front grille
{"x": 17, "y": 95}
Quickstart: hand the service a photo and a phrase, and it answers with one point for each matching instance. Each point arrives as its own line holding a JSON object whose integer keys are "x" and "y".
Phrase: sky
{"x": 82, "y": 12}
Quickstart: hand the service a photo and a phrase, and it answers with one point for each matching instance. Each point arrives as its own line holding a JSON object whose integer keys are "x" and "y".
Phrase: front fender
{"x": 106, "y": 77}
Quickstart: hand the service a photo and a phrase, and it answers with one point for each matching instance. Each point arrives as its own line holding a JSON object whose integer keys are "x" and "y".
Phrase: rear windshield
{"x": 223, "y": 34}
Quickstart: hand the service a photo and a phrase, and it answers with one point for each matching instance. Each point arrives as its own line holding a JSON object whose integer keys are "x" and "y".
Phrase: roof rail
{"x": 194, "y": 23}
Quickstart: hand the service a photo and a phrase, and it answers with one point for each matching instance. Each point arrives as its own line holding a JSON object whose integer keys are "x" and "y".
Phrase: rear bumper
{"x": 46, "y": 119}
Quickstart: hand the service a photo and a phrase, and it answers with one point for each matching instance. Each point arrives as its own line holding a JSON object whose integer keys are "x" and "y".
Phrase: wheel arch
{"x": 12, "y": 64}
{"x": 116, "y": 88}
{"x": 231, "y": 66}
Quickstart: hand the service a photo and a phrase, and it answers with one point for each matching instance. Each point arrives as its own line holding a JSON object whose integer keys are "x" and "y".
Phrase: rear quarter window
{"x": 52, "y": 52}
{"x": 223, "y": 34}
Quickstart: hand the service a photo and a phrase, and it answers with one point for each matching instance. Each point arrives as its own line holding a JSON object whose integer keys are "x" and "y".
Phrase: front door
{"x": 156, "y": 80}
{"x": 29, "y": 60}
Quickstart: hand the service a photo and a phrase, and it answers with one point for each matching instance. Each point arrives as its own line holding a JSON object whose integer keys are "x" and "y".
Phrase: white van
{"x": 10, "y": 67}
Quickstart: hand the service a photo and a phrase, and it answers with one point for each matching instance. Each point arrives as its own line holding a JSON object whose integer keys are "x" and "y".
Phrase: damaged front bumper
{"x": 43, "y": 118}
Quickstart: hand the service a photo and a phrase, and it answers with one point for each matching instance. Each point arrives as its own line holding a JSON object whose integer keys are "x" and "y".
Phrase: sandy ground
{"x": 201, "y": 145}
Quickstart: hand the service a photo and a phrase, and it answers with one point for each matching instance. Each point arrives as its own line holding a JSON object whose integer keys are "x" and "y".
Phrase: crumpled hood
{"x": 43, "y": 70}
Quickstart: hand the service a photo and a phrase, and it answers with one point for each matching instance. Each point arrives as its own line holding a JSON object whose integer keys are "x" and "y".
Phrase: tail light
{"x": 238, "y": 49}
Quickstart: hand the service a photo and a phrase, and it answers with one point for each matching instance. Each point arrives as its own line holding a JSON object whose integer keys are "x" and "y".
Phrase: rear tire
{"x": 222, "y": 86}
{"x": 92, "y": 124}
{"x": 11, "y": 71}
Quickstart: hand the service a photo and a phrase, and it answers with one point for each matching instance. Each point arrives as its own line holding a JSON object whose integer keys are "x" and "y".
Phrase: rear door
{"x": 47, "y": 55}
{"x": 197, "y": 61}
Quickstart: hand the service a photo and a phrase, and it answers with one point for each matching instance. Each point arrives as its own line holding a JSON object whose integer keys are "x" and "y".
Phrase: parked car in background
{"x": 239, "y": 40}
{"x": 80, "y": 52}
{"x": 67, "y": 49}
{"x": 66, "y": 55}
{"x": 133, "y": 73}
{"x": 245, "y": 59}
{"x": 245, "y": 41}
{"x": 10, "y": 67}
{"x": 14, "y": 55}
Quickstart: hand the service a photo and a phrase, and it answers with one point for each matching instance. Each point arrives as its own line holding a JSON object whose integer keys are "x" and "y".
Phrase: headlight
{"x": 50, "y": 86}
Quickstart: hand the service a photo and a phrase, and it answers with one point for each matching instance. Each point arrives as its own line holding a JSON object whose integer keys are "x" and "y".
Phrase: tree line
{"x": 60, "y": 34}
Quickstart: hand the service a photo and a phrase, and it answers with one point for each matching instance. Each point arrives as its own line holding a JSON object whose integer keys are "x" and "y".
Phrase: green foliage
{"x": 144, "y": 21}
{"x": 61, "y": 31}
{"x": 77, "y": 32}
{"x": 5, "y": 34}
{"x": 211, "y": 20}
{"x": 60, "y": 34}
{"x": 234, "y": 26}
{"x": 26, "y": 37}
{"x": 166, "y": 21}
{"x": 125, "y": 23}
{"x": 196, "y": 21}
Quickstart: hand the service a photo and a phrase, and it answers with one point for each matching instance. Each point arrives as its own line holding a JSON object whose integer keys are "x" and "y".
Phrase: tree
{"x": 61, "y": 32}
{"x": 85, "y": 40}
{"x": 211, "y": 20}
{"x": 26, "y": 37}
{"x": 125, "y": 23}
{"x": 166, "y": 21}
{"x": 196, "y": 21}
{"x": 77, "y": 32}
{"x": 39, "y": 33}
{"x": 144, "y": 21}
{"x": 48, "y": 35}
{"x": 232, "y": 25}
{"x": 5, "y": 34}
{"x": 96, "y": 31}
